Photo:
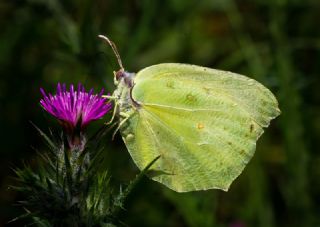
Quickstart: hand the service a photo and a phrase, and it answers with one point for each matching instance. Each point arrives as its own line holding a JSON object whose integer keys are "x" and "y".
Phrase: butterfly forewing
{"x": 180, "y": 85}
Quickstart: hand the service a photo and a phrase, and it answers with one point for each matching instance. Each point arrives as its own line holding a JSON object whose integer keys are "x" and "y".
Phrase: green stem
{"x": 68, "y": 172}
{"x": 118, "y": 205}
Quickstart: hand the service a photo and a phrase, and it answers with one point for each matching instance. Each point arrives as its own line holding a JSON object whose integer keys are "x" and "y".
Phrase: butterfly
{"x": 203, "y": 123}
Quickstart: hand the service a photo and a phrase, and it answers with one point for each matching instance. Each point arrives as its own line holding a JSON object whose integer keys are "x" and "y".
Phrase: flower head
{"x": 75, "y": 108}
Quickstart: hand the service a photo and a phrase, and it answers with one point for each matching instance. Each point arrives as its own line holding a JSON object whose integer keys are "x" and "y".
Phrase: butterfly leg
{"x": 115, "y": 109}
{"x": 114, "y": 99}
{"x": 109, "y": 97}
{"x": 126, "y": 117}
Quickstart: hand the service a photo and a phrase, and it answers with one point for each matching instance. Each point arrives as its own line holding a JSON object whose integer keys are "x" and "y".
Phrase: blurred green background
{"x": 276, "y": 42}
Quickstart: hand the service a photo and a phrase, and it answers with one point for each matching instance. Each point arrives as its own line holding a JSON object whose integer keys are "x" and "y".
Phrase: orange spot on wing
{"x": 200, "y": 126}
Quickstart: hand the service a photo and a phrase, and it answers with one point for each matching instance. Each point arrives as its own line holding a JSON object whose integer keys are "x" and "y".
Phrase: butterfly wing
{"x": 203, "y": 122}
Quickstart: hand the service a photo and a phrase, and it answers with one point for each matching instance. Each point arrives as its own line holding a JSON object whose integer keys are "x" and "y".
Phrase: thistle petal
{"x": 75, "y": 107}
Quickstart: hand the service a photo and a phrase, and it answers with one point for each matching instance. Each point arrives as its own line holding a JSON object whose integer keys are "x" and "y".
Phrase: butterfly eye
{"x": 120, "y": 74}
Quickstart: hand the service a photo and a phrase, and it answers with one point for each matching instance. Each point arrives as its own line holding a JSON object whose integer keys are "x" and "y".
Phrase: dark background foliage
{"x": 276, "y": 42}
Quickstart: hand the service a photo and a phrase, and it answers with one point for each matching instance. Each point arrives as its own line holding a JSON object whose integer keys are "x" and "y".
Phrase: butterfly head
{"x": 124, "y": 77}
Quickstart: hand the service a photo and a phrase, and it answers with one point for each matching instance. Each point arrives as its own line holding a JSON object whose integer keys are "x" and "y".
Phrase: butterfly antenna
{"x": 114, "y": 48}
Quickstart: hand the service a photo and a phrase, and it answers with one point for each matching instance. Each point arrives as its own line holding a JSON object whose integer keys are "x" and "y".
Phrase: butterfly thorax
{"x": 125, "y": 82}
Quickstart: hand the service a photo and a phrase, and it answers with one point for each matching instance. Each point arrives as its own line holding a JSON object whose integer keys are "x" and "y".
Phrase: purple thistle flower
{"x": 75, "y": 108}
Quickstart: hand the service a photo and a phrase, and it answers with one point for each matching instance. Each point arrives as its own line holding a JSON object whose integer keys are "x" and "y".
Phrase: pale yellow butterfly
{"x": 204, "y": 123}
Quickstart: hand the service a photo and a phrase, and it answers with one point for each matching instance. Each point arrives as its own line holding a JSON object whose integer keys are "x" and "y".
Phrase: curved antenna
{"x": 114, "y": 48}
